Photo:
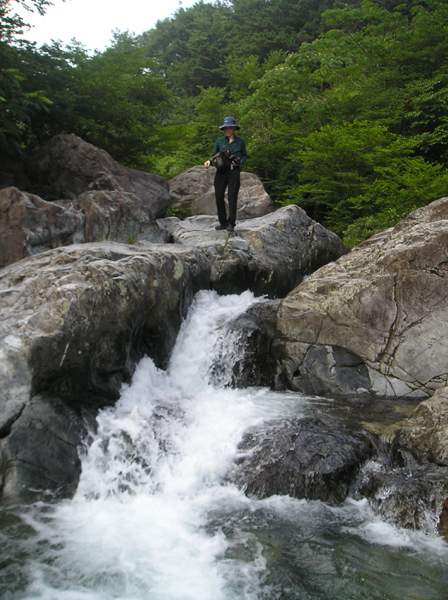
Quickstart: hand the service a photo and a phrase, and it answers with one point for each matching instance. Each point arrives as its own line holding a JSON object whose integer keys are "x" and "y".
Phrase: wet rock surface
{"x": 39, "y": 457}
{"x": 425, "y": 433}
{"x": 443, "y": 521}
{"x": 306, "y": 457}
{"x": 411, "y": 495}
{"x": 348, "y": 448}
{"x": 253, "y": 333}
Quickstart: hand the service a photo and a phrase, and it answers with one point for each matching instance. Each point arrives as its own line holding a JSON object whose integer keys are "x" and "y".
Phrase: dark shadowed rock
{"x": 374, "y": 321}
{"x": 193, "y": 191}
{"x": 12, "y": 173}
{"x": 303, "y": 458}
{"x": 40, "y": 455}
{"x": 442, "y": 524}
{"x": 412, "y": 495}
{"x": 254, "y": 331}
{"x": 67, "y": 166}
{"x": 29, "y": 225}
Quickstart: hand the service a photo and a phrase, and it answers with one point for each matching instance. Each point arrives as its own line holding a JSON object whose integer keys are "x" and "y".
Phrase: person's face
{"x": 229, "y": 131}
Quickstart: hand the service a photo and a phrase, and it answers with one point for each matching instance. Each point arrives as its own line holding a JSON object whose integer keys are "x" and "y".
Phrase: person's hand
{"x": 207, "y": 164}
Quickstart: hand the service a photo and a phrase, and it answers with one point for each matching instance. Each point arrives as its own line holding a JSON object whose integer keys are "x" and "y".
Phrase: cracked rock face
{"x": 374, "y": 321}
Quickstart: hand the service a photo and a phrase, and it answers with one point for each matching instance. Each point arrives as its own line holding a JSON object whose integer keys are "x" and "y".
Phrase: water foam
{"x": 155, "y": 519}
{"x": 137, "y": 525}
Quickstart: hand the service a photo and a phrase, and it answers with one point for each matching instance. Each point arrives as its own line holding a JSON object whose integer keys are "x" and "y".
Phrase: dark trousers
{"x": 228, "y": 179}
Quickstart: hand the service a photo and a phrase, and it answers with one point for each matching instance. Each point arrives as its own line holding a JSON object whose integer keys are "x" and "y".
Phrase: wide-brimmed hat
{"x": 229, "y": 122}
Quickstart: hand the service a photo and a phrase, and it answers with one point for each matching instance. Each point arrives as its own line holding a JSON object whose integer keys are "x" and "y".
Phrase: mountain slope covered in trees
{"x": 344, "y": 106}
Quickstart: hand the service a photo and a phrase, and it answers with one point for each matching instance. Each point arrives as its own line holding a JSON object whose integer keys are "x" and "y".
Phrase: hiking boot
{"x": 230, "y": 228}
{"x": 220, "y": 227}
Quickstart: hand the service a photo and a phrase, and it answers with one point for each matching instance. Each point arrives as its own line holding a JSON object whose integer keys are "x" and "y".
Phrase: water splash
{"x": 155, "y": 519}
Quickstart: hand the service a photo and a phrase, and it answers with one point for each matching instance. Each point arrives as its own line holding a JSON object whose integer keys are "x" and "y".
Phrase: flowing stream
{"x": 155, "y": 518}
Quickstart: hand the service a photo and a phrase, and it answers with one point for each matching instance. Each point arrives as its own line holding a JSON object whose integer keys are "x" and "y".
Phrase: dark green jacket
{"x": 237, "y": 147}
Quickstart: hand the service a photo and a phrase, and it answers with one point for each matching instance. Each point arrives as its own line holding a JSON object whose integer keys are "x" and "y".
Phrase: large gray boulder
{"x": 268, "y": 255}
{"x": 75, "y": 321}
{"x": 88, "y": 197}
{"x": 29, "y": 225}
{"x": 192, "y": 191}
{"x": 67, "y": 166}
{"x": 118, "y": 217}
{"x": 374, "y": 321}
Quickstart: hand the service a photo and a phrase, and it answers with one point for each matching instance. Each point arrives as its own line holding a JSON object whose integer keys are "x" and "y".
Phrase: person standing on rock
{"x": 229, "y": 152}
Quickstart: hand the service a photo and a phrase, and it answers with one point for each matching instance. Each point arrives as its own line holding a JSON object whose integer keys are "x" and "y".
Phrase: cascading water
{"x": 154, "y": 517}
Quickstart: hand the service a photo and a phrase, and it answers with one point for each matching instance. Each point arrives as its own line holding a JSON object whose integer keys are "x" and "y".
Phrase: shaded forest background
{"x": 343, "y": 105}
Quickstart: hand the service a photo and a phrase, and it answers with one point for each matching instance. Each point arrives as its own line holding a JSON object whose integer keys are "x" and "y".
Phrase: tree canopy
{"x": 343, "y": 105}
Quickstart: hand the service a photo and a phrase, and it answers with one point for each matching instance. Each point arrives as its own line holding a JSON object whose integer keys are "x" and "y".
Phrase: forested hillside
{"x": 343, "y": 105}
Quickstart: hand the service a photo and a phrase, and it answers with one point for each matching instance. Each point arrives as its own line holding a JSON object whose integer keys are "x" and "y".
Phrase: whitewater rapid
{"x": 155, "y": 517}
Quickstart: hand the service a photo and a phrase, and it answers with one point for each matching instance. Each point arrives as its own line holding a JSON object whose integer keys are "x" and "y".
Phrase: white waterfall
{"x": 155, "y": 519}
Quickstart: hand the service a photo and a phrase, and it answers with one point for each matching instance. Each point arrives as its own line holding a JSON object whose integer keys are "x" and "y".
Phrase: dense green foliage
{"x": 343, "y": 105}
{"x": 111, "y": 99}
{"x": 16, "y": 104}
